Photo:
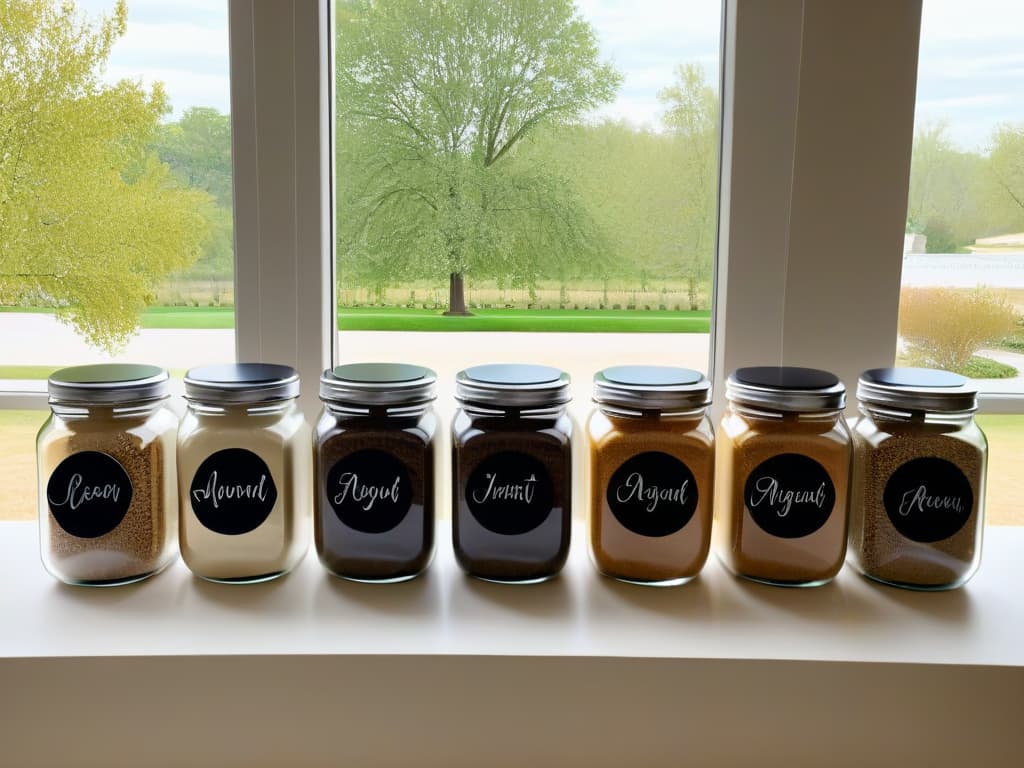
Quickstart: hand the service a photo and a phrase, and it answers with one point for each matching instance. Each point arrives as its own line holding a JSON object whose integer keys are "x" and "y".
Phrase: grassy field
{"x": 579, "y": 321}
{"x": 18, "y": 469}
{"x": 402, "y": 319}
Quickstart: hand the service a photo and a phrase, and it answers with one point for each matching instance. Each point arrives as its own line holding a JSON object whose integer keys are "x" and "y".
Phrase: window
{"x": 789, "y": 288}
{"x": 962, "y": 298}
{"x": 116, "y": 242}
{"x": 560, "y": 180}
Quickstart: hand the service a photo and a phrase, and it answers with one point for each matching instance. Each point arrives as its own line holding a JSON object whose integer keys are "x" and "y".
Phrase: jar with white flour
{"x": 244, "y": 473}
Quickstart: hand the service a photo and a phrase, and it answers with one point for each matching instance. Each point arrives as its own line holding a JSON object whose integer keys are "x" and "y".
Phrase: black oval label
{"x": 369, "y": 491}
{"x": 510, "y": 493}
{"x": 652, "y": 494}
{"x": 89, "y": 494}
{"x": 233, "y": 492}
{"x": 789, "y": 495}
{"x": 928, "y": 499}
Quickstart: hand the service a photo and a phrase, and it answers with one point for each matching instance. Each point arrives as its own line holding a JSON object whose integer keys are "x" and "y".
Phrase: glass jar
{"x": 650, "y": 474}
{"x": 917, "y": 495}
{"x": 375, "y": 457}
{"x": 782, "y": 473}
{"x": 512, "y": 472}
{"x": 243, "y": 473}
{"x": 107, "y": 497}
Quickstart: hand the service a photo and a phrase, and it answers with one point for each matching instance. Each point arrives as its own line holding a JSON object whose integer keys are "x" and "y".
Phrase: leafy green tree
{"x": 943, "y": 201}
{"x": 198, "y": 150}
{"x": 1006, "y": 170}
{"x": 658, "y": 217}
{"x": 687, "y": 219}
{"x": 89, "y": 220}
{"x": 433, "y": 100}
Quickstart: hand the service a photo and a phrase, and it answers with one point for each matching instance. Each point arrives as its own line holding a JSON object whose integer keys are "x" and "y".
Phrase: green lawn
{"x": 44, "y": 371}
{"x": 543, "y": 320}
{"x": 401, "y": 319}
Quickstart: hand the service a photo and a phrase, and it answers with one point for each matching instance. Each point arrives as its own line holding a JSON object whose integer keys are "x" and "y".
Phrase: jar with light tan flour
{"x": 108, "y": 510}
{"x": 244, "y": 472}
{"x": 917, "y": 494}
{"x": 782, "y": 470}
{"x": 650, "y": 474}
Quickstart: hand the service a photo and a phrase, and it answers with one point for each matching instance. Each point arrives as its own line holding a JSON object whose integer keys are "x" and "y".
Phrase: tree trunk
{"x": 456, "y": 296}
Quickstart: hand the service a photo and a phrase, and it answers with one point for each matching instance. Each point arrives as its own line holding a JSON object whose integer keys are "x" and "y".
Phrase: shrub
{"x": 616, "y": 306}
{"x": 944, "y": 327}
{"x": 986, "y": 368}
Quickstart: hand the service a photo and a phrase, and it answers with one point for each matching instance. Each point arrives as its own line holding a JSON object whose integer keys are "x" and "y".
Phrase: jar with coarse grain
{"x": 917, "y": 496}
{"x": 244, "y": 473}
{"x": 108, "y": 505}
{"x": 374, "y": 455}
{"x": 511, "y": 472}
{"x": 650, "y": 474}
{"x": 782, "y": 466}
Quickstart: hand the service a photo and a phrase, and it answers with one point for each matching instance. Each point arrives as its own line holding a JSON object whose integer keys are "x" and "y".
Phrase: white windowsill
{"x": 448, "y": 671}
{"x": 577, "y": 615}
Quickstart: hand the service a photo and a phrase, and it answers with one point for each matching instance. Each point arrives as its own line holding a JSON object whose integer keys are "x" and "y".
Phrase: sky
{"x": 971, "y": 71}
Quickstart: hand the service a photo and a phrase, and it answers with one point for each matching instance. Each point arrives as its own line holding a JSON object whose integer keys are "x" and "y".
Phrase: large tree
{"x": 433, "y": 99}
{"x": 90, "y": 220}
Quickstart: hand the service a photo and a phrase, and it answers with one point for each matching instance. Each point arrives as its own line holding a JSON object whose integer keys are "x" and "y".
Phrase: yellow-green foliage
{"x": 90, "y": 221}
{"x": 944, "y": 327}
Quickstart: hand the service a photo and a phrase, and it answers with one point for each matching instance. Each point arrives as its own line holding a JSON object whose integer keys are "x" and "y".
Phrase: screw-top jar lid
{"x": 512, "y": 385}
{"x": 652, "y": 388}
{"x": 917, "y": 389}
{"x": 369, "y": 384}
{"x": 241, "y": 383}
{"x": 107, "y": 384}
{"x": 786, "y": 388}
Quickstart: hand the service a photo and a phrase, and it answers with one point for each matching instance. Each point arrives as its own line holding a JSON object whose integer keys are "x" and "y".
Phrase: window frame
{"x": 785, "y": 91}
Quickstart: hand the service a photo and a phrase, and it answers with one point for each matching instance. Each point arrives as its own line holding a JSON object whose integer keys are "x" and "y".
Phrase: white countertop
{"x": 579, "y": 614}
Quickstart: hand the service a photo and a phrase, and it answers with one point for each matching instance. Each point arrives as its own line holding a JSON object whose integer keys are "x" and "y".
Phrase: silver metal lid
{"x": 786, "y": 388}
{"x": 512, "y": 385}
{"x": 368, "y": 384}
{"x": 241, "y": 383}
{"x": 652, "y": 388}
{"x": 107, "y": 384}
{"x": 917, "y": 389}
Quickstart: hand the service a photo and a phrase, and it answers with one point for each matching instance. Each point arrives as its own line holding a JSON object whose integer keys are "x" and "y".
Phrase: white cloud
{"x": 961, "y": 102}
{"x": 178, "y": 38}
{"x": 977, "y": 20}
{"x": 186, "y": 88}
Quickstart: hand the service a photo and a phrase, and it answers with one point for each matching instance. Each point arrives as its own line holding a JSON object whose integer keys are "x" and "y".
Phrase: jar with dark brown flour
{"x": 108, "y": 505}
{"x": 374, "y": 465}
{"x": 650, "y": 473}
{"x": 781, "y": 476}
{"x": 512, "y": 472}
{"x": 917, "y": 496}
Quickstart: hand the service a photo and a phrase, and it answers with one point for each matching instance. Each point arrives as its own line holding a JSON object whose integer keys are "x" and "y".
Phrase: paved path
{"x": 39, "y": 339}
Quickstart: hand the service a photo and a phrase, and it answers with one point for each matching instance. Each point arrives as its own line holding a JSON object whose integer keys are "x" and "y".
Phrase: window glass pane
{"x": 116, "y": 233}
{"x": 115, "y": 198}
{"x": 18, "y": 463}
{"x": 533, "y": 180}
{"x": 1006, "y": 457}
{"x": 962, "y": 300}
{"x": 963, "y": 271}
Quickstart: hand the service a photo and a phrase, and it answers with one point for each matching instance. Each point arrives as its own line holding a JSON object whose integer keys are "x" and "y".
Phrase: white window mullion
{"x": 816, "y": 160}
{"x": 284, "y": 306}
